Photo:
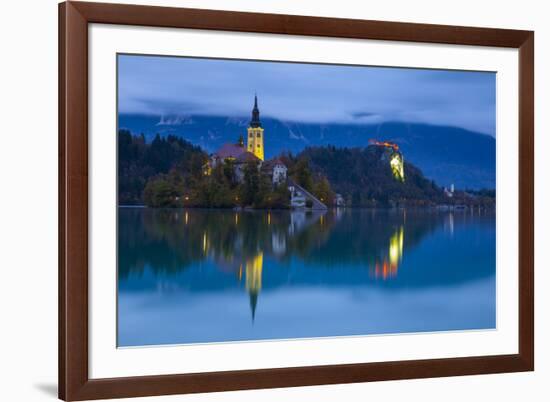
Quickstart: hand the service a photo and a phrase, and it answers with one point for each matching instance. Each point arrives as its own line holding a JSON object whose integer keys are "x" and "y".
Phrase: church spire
{"x": 255, "y": 121}
{"x": 255, "y": 133}
{"x": 253, "y": 303}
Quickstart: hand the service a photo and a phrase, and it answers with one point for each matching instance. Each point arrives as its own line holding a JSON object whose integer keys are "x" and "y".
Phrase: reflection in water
{"x": 188, "y": 254}
{"x": 387, "y": 269}
{"x": 254, "y": 279}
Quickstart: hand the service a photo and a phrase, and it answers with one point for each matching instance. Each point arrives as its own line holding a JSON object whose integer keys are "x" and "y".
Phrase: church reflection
{"x": 254, "y": 268}
{"x": 254, "y": 247}
{"x": 286, "y": 232}
{"x": 197, "y": 275}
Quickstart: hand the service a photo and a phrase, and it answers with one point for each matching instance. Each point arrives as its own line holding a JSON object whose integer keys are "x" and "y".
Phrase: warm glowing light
{"x": 396, "y": 158}
{"x": 392, "y": 145}
{"x": 396, "y": 249}
{"x": 186, "y": 217}
{"x": 396, "y": 163}
{"x": 255, "y": 141}
{"x": 204, "y": 242}
{"x": 236, "y": 219}
{"x": 253, "y": 282}
{"x": 269, "y": 218}
{"x": 388, "y": 268}
{"x": 254, "y": 268}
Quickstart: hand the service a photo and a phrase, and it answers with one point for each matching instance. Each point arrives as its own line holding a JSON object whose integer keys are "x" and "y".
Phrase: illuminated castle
{"x": 255, "y": 143}
{"x": 397, "y": 162}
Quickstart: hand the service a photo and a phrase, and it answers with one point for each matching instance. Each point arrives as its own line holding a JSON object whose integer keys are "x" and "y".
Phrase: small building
{"x": 339, "y": 200}
{"x": 276, "y": 170}
{"x": 449, "y": 192}
{"x": 279, "y": 172}
{"x": 297, "y": 197}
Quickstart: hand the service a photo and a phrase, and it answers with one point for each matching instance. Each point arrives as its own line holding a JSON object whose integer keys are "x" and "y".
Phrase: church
{"x": 255, "y": 143}
{"x": 253, "y": 152}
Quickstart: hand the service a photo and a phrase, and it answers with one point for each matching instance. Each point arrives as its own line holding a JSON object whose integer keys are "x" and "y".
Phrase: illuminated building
{"x": 255, "y": 143}
{"x": 397, "y": 162}
{"x": 449, "y": 192}
{"x": 239, "y": 155}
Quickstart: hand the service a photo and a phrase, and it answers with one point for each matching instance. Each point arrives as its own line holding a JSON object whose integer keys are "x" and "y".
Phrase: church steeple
{"x": 255, "y": 121}
{"x": 255, "y": 142}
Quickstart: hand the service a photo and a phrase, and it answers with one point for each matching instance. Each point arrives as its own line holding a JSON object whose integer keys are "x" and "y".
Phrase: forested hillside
{"x": 364, "y": 178}
{"x": 139, "y": 160}
{"x": 169, "y": 172}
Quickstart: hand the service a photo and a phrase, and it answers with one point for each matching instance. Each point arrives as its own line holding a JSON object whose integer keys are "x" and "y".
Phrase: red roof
{"x": 278, "y": 162}
{"x": 237, "y": 152}
{"x": 247, "y": 157}
{"x": 270, "y": 164}
{"x": 230, "y": 151}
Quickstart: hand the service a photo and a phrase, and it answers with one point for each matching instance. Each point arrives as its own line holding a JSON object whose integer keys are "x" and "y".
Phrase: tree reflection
{"x": 328, "y": 245}
{"x": 172, "y": 240}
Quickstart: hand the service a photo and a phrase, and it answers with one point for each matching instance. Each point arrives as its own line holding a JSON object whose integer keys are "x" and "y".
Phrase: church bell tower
{"x": 255, "y": 143}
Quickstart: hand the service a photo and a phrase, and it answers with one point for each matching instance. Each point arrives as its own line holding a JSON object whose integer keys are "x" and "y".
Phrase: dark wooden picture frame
{"x": 74, "y": 381}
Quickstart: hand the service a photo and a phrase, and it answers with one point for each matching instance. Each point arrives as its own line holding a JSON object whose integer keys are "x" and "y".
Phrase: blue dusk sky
{"x": 314, "y": 93}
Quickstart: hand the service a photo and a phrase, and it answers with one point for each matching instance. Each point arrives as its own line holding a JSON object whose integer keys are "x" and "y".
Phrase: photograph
{"x": 271, "y": 200}
{"x": 275, "y": 201}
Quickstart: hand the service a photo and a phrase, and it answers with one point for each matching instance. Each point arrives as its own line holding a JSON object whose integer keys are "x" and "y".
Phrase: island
{"x": 170, "y": 172}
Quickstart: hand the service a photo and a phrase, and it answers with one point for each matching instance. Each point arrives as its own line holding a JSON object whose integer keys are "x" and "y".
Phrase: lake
{"x": 195, "y": 276}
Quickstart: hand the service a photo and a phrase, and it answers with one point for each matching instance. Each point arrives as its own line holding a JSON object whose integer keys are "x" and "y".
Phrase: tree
{"x": 160, "y": 193}
{"x": 229, "y": 171}
{"x": 250, "y": 188}
{"x": 280, "y": 197}
{"x": 364, "y": 176}
{"x": 302, "y": 174}
{"x": 138, "y": 161}
{"x": 323, "y": 191}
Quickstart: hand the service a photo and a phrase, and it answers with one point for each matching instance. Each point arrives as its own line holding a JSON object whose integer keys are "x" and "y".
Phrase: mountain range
{"x": 447, "y": 155}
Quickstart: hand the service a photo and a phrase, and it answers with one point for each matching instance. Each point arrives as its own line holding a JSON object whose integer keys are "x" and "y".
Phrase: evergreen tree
{"x": 323, "y": 191}
{"x": 302, "y": 173}
{"x": 250, "y": 188}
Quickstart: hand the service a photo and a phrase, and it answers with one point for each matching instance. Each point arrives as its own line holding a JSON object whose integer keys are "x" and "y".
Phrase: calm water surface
{"x": 188, "y": 276}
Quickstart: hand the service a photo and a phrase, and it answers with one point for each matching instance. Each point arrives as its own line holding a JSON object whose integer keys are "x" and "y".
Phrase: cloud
{"x": 179, "y": 86}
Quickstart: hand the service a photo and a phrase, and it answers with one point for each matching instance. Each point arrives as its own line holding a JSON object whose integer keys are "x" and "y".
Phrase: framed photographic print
{"x": 259, "y": 200}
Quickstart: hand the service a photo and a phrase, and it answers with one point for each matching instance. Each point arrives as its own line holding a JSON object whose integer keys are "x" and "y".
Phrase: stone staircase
{"x": 318, "y": 205}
